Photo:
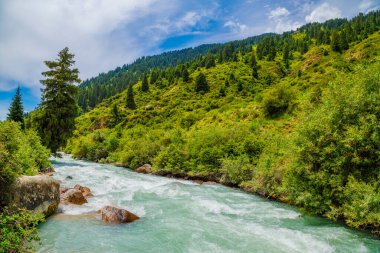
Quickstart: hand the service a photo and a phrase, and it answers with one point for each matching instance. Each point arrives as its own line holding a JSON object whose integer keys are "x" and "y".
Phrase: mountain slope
{"x": 295, "y": 135}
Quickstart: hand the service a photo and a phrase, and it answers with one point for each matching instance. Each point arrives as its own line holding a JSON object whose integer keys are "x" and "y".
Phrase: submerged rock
{"x": 39, "y": 194}
{"x": 73, "y": 196}
{"x": 116, "y": 215}
{"x": 145, "y": 169}
{"x": 69, "y": 177}
{"x": 84, "y": 190}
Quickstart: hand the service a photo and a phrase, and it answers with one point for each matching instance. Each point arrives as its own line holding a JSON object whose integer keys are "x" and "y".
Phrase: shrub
{"x": 236, "y": 170}
{"x": 18, "y": 231}
{"x": 21, "y": 153}
{"x": 277, "y": 100}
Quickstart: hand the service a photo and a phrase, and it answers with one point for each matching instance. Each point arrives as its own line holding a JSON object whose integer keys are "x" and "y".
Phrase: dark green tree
{"x": 115, "y": 113}
{"x": 16, "y": 110}
{"x": 130, "y": 99}
{"x": 253, "y": 64}
{"x": 343, "y": 42}
{"x": 59, "y": 106}
{"x": 185, "y": 75}
{"x": 335, "y": 42}
{"x": 144, "y": 84}
{"x": 285, "y": 55}
{"x": 201, "y": 84}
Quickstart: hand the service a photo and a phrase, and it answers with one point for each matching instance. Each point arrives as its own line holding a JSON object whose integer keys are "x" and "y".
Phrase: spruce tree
{"x": 185, "y": 75}
{"x": 59, "y": 106}
{"x": 201, "y": 84}
{"x": 130, "y": 99}
{"x": 144, "y": 84}
{"x": 16, "y": 110}
{"x": 115, "y": 113}
{"x": 285, "y": 56}
{"x": 335, "y": 42}
{"x": 253, "y": 64}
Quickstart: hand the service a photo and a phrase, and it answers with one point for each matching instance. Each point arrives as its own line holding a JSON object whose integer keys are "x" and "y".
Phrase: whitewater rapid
{"x": 181, "y": 216}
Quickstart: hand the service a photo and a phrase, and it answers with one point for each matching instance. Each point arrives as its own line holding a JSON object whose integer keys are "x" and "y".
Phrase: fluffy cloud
{"x": 236, "y": 26}
{"x": 281, "y": 20}
{"x": 33, "y": 31}
{"x": 102, "y": 34}
{"x": 323, "y": 12}
{"x": 279, "y": 12}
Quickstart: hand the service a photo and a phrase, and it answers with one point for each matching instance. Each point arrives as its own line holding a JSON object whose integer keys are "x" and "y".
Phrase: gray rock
{"x": 145, "y": 169}
{"x": 116, "y": 215}
{"x": 73, "y": 196}
{"x": 39, "y": 194}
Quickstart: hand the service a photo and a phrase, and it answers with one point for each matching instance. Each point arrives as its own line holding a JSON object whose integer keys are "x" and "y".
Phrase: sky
{"x": 105, "y": 34}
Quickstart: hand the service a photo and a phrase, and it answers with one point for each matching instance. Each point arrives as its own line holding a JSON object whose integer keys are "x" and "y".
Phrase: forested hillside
{"x": 105, "y": 85}
{"x": 292, "y": 117}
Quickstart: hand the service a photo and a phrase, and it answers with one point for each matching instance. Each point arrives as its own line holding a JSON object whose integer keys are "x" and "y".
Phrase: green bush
{"x": 18, "y": 231}
{"x": 21, "y": 153}
{"x": 236, "y": 170}
{"x": 277, "y": 100}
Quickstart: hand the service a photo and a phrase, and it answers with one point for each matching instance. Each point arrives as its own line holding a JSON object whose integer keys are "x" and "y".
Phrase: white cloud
{"x": 279, "y": 12}
{"x": 281, "y": 21}
{"x": 323, "y": 12}
{"x": 94, "y": 30}
{"x": 236, "y": 26}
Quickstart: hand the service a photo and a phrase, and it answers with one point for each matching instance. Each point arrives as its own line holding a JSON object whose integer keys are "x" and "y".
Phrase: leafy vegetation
{"x": 18, "y": 231}
{"x": 290, "y": 118}
{"x": 21, "y": 153}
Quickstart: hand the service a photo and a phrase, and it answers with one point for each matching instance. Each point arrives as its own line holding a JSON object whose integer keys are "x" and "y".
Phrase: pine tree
{"x": 115, "y": 113}
{"x": 130, "y": 99}
{"x": 253, "y": 64}
{"x": 185, "y": 75}
{"x": 335, "y": 42}
{"x": 201, "y": 84}
{"x": 343, "y": 43}
{"x": 285, "y": 56}
{"x": 16, "y": 110}
{"x": 144, "y": 84}
{"x": 59, "y": 95}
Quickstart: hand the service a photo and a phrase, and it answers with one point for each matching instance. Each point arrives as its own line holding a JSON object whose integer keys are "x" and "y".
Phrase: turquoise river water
{"x": 181, "y": 216}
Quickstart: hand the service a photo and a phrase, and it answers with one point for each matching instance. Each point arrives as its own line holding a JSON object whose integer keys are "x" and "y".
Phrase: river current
{"x": 182, "y": 216}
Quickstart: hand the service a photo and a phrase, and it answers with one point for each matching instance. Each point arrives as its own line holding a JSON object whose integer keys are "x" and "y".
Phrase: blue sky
{"x": 104, "y": 34}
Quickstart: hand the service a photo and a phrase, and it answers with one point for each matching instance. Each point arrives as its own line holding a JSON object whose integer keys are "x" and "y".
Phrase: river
{"x": 181, "y": 216}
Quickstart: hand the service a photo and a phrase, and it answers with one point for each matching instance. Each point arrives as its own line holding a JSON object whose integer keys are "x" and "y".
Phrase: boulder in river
{"x": 84, "y": 190}
{"x": 116, "y": 215}
{"x": 73, "y": 196}
{"x": 145, "y": 169}
{"x": 39, "y": 194}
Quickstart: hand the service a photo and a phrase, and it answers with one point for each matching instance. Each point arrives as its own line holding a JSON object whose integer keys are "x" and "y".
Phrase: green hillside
{"x": 307, "y": 133}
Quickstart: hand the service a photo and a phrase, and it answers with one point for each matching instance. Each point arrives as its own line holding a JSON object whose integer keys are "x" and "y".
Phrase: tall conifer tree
{"x": 16, "y": 110}
{"x": 130, "y": 99}
{"x": 59, "y": 95}
{"x": 145, "y": 85}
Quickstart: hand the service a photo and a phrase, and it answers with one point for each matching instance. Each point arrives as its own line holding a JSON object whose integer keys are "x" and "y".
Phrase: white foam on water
{"x": 201, "y": 218}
